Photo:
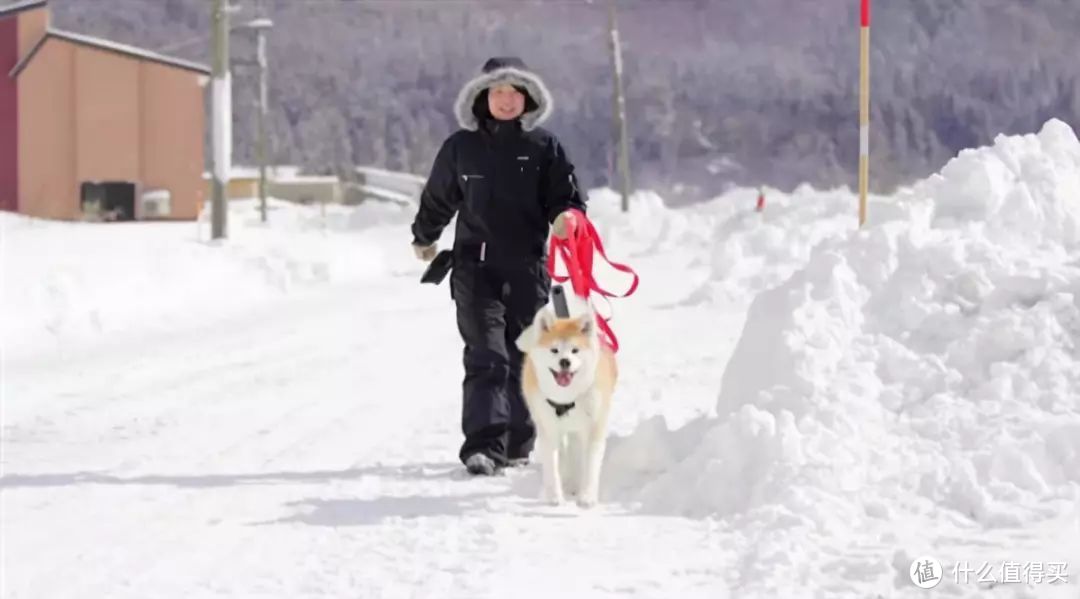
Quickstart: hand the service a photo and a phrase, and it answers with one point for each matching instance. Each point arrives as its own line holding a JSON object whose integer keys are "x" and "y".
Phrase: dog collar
{"x": 561, "y": 408}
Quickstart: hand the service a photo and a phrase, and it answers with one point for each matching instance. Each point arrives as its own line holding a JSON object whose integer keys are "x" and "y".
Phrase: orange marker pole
{"x": 864, "y": 110}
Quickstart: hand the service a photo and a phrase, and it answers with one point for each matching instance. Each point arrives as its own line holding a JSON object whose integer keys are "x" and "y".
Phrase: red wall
{"x": 9, "y": 114}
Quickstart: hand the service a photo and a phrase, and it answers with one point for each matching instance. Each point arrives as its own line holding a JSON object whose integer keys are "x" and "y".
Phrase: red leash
{"x": 577, "y": 254}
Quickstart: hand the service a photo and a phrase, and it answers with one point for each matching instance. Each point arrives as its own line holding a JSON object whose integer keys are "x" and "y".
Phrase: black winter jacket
{"x": 505, "y": 180}
{"x": 506, "y": 186}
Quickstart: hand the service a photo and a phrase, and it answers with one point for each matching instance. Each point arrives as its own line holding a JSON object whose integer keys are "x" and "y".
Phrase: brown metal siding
{"x": 172, "y": 135}
{"x": 102, "y": 116}
{"x": 32, "y": 25}
{"x": 46, "y": 120}
{"x": 106, "y": 116}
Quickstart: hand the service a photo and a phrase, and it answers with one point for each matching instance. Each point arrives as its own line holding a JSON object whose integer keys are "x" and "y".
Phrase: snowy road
{"x": 279, "y": 416}
{"x": 310, "y": 450}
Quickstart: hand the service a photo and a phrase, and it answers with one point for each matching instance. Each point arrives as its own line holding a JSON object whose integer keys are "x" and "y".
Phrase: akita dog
{"x": 568, "y": 377}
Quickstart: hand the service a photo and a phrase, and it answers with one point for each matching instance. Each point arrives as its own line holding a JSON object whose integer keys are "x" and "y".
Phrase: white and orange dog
{"x": 568, "y": 377}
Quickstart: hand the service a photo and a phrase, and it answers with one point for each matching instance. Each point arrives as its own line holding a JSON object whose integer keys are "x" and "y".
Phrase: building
{"x": 92, "y": 129}
{"x": 243, "y": 182}
{"x": 305, "y": 189}
{"x": 283, "y": 182}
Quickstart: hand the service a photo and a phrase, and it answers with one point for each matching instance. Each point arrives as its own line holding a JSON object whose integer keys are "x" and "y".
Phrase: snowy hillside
{"x": 805, "y": 407}
{"x": 715, "y": 93}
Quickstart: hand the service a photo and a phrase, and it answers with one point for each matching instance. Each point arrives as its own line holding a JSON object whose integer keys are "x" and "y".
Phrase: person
{"x": 510, "y": 183}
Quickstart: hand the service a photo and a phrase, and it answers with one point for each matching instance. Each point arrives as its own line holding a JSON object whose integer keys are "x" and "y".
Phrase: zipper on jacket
{"x": 467, "y": 177}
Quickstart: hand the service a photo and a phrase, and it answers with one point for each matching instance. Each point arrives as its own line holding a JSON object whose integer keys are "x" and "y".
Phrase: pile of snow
{"x": 650, "y": 227}
{"x": 742, "y": 251}
{"x": 753, "y": 251}
{"x": 914, "y": 388}
{"x": 68, "y": 282}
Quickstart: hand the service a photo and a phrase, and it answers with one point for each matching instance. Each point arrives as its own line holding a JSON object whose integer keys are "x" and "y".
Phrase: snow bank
{"x": 753, "y": 251}
{"x": 914, "y": 384}
{"x": 67, "y": 282}
{"x": 649, "y": 226}
{"x": 742, "y": 251}
{"x": 731, "y": 251}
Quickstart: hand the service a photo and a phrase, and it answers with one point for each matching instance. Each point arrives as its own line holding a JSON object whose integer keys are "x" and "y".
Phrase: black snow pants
{"x": 495, "y": 303}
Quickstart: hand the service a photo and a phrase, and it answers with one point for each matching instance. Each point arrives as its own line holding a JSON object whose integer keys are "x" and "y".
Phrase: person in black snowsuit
{"x": 509, "y": 182}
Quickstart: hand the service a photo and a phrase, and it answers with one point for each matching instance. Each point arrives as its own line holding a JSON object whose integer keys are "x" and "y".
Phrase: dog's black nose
{"x": 564, "y": 364}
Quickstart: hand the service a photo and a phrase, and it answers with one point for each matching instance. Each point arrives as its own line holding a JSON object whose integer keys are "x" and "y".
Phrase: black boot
{"x": 480, "y": 465}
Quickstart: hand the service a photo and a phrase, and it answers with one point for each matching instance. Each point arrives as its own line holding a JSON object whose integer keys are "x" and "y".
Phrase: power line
{"x": 177, "y": 45}
{"x": 201, "y": 39}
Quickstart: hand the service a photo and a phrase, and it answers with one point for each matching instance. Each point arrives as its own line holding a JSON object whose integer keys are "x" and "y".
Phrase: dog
{"x": 568, "y": 378}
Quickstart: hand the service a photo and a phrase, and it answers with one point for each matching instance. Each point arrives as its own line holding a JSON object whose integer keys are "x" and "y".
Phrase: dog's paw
{"x": 555, "y": 500}
{"x": 587, "y": 501}
{"x": 552, "y": 497}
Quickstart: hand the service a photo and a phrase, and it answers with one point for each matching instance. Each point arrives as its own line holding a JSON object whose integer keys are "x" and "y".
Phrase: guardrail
{"x": 391, "y": 186}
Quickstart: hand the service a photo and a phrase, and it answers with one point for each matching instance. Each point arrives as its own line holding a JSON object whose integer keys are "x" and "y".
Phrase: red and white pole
{"x": 864, "y": 110}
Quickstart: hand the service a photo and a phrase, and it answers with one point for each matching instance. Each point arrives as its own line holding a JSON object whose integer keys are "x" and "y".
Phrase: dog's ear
{"x": 527, "y": 339}
{"x": 587, "y": 322}
{"x": 544, "y": 320}
{"x": 542, "y": 323}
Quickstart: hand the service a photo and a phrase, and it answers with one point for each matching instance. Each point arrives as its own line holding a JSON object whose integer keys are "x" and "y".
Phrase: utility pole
{"x": 222, "y": 119}
{"x": 261, "y": 25}
{"x": 620, "y": 106}
{"x": 864, "y": 109}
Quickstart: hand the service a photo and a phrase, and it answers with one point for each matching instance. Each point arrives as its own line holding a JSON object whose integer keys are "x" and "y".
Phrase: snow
{"x": 910, "y": 389}
{"x": 804, "y": 407}
{"x": 78, "y": 283}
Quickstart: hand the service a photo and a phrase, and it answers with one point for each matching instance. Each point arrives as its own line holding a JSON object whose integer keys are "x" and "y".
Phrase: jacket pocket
{"x": 528, "y": 182}
{"x": 476, "y": 189}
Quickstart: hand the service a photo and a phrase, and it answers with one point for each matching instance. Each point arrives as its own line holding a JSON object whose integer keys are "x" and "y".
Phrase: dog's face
{"x": 563, "y": 349}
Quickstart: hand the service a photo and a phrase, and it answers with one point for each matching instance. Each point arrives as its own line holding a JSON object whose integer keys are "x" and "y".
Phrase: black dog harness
{"x": 561, "y": 408}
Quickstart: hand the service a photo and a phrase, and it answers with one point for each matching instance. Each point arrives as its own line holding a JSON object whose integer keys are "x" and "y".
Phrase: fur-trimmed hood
{"x": 512, "y": 70}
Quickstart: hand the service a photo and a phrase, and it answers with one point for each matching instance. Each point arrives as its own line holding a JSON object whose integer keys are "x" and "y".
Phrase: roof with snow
{"x": 280, "y": 171}
{"x": 17, "y": 7}
{"x": 284, "y": 174}
{"x": 107, "y": 45}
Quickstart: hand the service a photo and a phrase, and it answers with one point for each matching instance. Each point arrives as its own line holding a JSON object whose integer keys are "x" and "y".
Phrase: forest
{"x": 719, "y": 92}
